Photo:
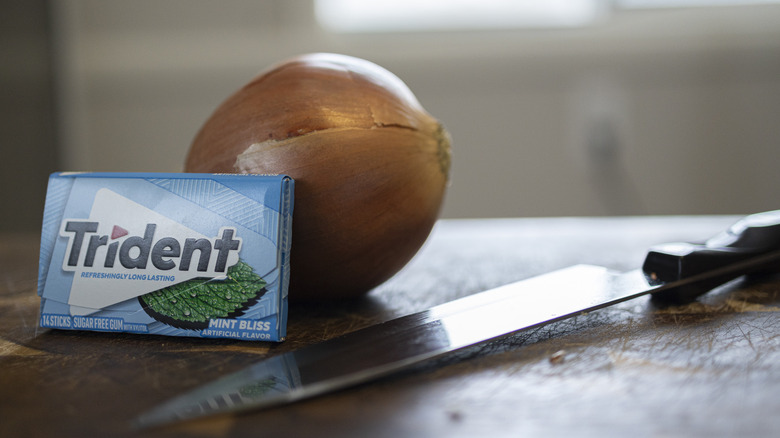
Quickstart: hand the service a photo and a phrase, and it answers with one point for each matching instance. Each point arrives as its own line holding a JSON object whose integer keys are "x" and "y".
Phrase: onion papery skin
{"x": 371, "y": 166}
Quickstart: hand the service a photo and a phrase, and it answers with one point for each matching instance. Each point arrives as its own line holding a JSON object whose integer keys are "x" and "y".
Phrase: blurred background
{"x": 556, "y": 108}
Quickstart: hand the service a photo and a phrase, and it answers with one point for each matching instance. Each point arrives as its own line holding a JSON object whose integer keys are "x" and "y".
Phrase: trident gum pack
{"x": 203, "y": 255}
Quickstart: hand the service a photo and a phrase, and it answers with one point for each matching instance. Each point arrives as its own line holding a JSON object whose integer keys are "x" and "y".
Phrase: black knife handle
{"x": 754, "y": 236}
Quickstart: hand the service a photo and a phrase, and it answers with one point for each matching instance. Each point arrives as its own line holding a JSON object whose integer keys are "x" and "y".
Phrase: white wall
{"x": 689, "y": 98}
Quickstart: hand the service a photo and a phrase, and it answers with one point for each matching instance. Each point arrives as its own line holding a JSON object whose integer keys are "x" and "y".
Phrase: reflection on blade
{"x": 387, "y": 347}
{"x": 270, "y": 381}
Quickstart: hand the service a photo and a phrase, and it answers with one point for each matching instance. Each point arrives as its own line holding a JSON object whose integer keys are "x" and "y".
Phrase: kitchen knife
{"x": 672, "y": 273}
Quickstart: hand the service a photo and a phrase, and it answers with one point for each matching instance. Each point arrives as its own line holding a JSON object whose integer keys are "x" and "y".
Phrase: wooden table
{"x": 711, "y": 368}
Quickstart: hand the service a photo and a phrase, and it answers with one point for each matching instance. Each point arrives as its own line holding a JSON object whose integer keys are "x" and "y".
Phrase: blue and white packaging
{"x": 202, "y": 255}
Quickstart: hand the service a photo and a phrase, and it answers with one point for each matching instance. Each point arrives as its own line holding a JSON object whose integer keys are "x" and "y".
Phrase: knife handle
{"x": 755, "y": 236}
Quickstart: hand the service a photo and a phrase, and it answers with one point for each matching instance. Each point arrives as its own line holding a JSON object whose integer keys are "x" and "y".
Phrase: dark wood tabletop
{"x": 705, "y": 369}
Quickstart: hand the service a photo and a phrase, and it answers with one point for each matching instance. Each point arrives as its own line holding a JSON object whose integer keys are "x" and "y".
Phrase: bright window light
{"x": 657, "y": 4}
{"x": 362, "y": 16}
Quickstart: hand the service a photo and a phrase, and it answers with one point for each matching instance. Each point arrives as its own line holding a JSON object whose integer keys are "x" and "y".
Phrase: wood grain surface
{"x": 709, "y": 369}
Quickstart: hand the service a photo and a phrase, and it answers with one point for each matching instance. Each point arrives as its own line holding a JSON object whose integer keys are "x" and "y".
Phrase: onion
{"x": 370, "y": 166}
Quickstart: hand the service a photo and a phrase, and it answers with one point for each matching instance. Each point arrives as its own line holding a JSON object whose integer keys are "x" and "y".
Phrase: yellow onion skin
{"x": 371, "y": 166}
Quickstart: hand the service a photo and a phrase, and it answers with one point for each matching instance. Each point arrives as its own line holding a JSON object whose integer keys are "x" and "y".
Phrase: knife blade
{"x": 671, "y": 273}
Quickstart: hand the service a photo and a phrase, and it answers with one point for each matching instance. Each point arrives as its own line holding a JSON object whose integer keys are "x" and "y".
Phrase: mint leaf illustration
{"x": 190, "y": 304}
